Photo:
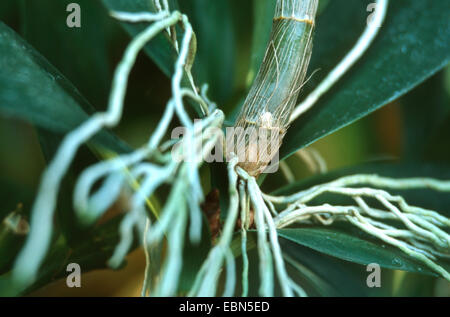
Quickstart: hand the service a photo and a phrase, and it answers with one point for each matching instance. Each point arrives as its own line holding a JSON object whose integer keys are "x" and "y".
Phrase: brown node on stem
{"x": 211, "y": 209}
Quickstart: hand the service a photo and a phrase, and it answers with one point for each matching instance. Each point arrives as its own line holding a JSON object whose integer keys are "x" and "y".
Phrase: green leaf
{"x": 88, "y": 67}
{"x": 352, "y": 248}
{"x": 80, "y": 54}
{"x": 33, "y": 90}
{"x": 325, "y": 275}
{"x": 304, "y": 276}
{"x": 407, "y": 51}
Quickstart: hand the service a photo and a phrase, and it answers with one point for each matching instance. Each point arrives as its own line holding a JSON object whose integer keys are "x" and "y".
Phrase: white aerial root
{"x": 245, "y": 222}
{"x": 267, "y": 250}
{"x": 420, "y": 232}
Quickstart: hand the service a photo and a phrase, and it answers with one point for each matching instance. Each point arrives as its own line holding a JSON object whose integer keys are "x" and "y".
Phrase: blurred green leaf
{"x": 80, "y": 54}
{"x": 33, "y": 90}
{"x": 407, "y": 51}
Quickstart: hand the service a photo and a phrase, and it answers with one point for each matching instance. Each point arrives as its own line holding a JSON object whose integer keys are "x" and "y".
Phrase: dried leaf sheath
{"x": 264, "y": 117}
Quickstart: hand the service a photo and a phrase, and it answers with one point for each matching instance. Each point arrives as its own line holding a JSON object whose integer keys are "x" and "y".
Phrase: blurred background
{"x": 87, "y": 57}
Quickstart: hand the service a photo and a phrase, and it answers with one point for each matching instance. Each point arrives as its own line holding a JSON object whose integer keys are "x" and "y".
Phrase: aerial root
{"x": 419, "y": 232}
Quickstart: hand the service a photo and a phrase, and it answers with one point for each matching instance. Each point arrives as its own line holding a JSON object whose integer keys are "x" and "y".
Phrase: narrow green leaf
{"x": 80, "y": 54}
{"x": 351, "y": 248}
{"x": 330, "y": 276}
{"x": 407, "y": 51}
